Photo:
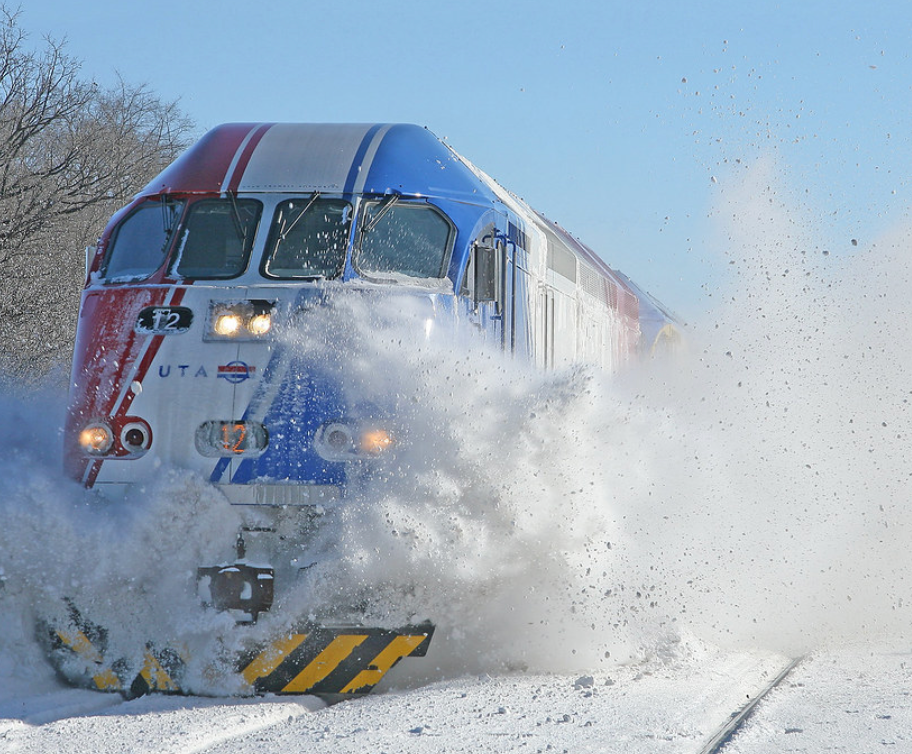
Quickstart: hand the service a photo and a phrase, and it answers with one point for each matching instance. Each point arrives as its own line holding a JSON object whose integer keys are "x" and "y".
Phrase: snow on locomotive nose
{"x": 183, "y": 359}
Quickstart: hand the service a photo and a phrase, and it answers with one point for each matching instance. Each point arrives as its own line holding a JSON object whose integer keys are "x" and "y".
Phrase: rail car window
{"x": 141, "y": 241}
{"x": 405, "y": 239}
{"x": 308, "y": 238}
{"x": 216, "y": 238}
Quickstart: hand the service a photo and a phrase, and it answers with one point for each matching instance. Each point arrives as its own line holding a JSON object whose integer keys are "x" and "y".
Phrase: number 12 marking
{"x": 233, "y": 437}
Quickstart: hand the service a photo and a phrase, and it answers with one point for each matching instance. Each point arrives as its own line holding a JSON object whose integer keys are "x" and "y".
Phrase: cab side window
{"x": 141, "y": 241}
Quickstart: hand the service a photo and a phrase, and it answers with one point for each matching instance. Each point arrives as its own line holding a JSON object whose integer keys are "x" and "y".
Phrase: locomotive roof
{"x": 328, "y": 157}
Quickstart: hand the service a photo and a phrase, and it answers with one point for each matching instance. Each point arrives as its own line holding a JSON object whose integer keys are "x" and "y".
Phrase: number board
{"x": 226, "y": 439}
{"x": 164, "y": 320}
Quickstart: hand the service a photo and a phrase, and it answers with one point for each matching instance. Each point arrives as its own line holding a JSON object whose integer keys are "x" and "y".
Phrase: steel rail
{"x": 726, "y": 731}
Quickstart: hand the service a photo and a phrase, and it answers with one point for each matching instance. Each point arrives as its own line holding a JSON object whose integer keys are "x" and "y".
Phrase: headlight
{"x": 340, "y": 441}
{"x": 260, "y": 324}
{"x": 227, "y": 324}
{"x": 375, "y": 441}
{"x": 239, "y": 320}
{"x": 96, "y": 439}
{"x": 136, "y": 437}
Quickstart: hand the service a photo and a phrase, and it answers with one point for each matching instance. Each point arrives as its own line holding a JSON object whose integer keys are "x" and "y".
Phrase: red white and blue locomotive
{"x": 177, "y": 360}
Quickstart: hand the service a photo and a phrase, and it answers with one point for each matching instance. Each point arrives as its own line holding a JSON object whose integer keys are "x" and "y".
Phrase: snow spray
{"x": 779, "y": 514}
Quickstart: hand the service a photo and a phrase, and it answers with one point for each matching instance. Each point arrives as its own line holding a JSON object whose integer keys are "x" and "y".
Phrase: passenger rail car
{"x": 176, "y": 360}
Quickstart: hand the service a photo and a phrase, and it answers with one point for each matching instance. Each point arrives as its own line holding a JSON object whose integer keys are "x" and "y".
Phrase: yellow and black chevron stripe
{"x": 329, "y": 661}
{"x": 347, "y": 661}
{"x": 92, "y": 661}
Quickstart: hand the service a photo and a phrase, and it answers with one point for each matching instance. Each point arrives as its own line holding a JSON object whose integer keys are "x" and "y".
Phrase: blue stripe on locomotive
{"x": 411, "y": 160}
{"x": 308, "y": 397}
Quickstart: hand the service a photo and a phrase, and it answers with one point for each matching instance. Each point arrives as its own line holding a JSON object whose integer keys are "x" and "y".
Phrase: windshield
{"x": 405, "y": 239}
{"x": 308, "y": 238}
{"x": 216, "y": 238}
{"x": 141, "y": 241}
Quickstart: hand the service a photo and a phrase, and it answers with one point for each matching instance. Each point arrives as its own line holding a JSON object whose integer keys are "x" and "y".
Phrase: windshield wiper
{"x": 169, "y": 215}
{"x": 285, "y": 231}
{"x": 382, "y": 209}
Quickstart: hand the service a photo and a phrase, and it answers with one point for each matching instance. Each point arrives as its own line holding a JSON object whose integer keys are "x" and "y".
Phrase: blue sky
{"x": 622, "y": 121}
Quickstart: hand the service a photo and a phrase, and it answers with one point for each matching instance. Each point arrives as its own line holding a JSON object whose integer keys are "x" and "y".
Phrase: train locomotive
{"x": 179, "y": 361}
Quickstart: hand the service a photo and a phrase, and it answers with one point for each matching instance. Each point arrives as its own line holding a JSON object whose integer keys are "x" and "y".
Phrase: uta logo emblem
{"x": 236, "y": 371}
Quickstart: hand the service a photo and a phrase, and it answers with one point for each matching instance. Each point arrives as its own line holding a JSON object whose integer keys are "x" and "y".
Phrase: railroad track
{"x": 505, "y": 713}
{"x": 729, "y": 728}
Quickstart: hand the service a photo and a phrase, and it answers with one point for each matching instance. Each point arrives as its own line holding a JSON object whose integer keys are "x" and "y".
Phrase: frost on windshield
{"x": 216, "y": 238}
{"x": 141, "y": 241}
{"x": 308, "y": 238}
{"x": 404, "y": 239}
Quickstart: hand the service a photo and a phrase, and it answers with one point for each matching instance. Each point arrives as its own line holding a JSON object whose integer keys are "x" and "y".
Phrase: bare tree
{"x": 70, "y": 154}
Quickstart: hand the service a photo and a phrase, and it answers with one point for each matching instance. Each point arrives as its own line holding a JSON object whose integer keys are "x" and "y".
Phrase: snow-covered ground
{"x": 852, "y": 699}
